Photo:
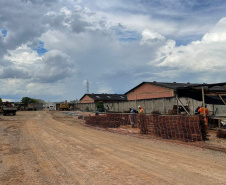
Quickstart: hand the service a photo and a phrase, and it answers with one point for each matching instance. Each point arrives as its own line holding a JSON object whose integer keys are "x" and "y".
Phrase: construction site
{"x": 58, "y": 147}
{"x": 70, "y": 144}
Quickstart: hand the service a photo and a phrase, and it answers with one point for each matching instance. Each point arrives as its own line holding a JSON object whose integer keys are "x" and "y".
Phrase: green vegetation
{"x": 27, "y": 100}
{"x": 100, "y": 106}
{"x": 87, "y": 109}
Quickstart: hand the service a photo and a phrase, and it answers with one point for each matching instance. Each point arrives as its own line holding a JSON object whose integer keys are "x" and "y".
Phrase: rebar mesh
{"x": 170, "y": 127}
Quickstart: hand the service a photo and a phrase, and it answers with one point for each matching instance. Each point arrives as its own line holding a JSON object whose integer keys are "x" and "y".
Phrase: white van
{"x": 51, "y": 107}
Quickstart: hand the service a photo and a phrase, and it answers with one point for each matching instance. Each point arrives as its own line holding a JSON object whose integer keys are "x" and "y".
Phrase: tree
{"x": 27, "y": 100}
{"x": 39, "y": 101}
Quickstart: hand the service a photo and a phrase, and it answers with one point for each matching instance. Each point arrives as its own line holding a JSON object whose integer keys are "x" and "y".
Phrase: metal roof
{"x": 216, "y": 87}
{"x": 168, "y": 85}
{"x": 213, "y": 93}
{"x": 107, "y": 97}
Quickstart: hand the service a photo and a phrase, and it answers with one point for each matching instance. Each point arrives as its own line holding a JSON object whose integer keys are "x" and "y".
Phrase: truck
{"x": 8, "y": 109}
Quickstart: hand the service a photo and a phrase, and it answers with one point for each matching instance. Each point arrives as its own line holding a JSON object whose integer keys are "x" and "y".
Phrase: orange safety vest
{"x": 201, "y": 110}
{"x": 141, "y": 110}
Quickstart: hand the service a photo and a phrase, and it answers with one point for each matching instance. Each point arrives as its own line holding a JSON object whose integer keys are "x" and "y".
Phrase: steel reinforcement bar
{"x": 169, "y": 127}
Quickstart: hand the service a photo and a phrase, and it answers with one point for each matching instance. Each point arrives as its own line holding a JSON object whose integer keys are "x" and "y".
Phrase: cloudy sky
{"x": 50, "y": 48}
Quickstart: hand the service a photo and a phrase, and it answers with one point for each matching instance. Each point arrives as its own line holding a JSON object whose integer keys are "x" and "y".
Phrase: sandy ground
{"x": 43, "y": 147}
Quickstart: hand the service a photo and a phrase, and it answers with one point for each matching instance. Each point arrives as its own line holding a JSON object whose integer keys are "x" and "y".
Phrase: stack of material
{"x": 175, "y": 127}
{"x": 143, "y": 119}
{"x": 102, "y": 121}
{"x": 183, "y": 128}
{"x": 122, "y": 118}
{"x": 125, "y": 119}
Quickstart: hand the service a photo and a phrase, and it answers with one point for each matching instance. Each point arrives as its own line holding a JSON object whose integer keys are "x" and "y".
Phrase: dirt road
{"x": 53, "y": 148}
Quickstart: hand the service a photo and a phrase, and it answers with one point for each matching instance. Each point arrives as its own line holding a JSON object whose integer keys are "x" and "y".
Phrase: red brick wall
{"x": 87, "y": 99}
{"x": 149, "y": 91}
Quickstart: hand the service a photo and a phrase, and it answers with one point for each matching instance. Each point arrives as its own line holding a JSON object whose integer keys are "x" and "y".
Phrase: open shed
{"x": 214, "y": 94}
{"x": 210, "y": 93}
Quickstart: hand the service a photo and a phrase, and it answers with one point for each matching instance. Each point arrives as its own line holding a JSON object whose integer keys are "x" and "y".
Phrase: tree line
{"x": 27, "y": 100}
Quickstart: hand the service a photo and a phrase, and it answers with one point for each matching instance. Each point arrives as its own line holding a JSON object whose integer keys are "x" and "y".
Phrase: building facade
{"x": 152, "y": 90}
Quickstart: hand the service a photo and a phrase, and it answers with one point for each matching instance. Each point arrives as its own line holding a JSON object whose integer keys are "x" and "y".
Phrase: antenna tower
{"x": 87, "y": 87}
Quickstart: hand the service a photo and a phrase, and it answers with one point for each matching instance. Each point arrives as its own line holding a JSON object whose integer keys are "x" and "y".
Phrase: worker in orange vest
{"x": 201, "y": 111}
{"x": 140, "y": 109}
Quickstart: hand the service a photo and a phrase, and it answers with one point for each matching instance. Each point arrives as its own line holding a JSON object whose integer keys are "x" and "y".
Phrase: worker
{"x": 140, "y": 109}
{"x": 201, "y": 111}
{"x": 132, "y": 117}
{"x": 197, "y": 110}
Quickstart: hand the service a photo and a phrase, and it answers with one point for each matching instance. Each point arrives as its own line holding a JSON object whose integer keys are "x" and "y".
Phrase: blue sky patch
{"x": 40, "y": 49}
{"x": 4, "y": 32}
{"x": 129, "y": 36}
{"x": 129, "y": 39}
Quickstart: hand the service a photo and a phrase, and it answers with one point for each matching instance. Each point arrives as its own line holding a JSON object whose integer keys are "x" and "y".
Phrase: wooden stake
{"x": 203, "y": 103}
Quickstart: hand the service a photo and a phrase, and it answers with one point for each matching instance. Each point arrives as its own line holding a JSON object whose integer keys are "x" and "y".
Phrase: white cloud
{"x": 22, "y": 55}
{"x": 204, "y": 56}
{"x": 66, "y": 12}
{"x": 37, "y": 89}
{"x": 217, "y": 34}
{"x": 54, "y": 65}
{"x": 104, "y": 89}
{"x": 149, "y": 37}
{"x": 12, "y": 86}
{"x": 5, "y": 100}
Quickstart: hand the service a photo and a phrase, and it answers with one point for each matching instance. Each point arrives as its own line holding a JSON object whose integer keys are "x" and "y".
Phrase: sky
{"x": 50, "y": 49}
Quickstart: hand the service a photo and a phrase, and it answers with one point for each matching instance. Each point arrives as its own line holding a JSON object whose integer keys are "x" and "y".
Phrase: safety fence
{"x": 170, "y": 127}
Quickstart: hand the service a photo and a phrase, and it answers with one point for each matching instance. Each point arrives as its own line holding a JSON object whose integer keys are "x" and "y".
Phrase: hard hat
{"x": 138, "y": 106}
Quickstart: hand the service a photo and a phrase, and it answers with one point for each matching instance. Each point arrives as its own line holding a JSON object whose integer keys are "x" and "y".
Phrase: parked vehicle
{"x": 8, "y": 109}
{"x": 30, "y": 107}
{"x": 51, "y": 107}
{"x": 64, "y": 106}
